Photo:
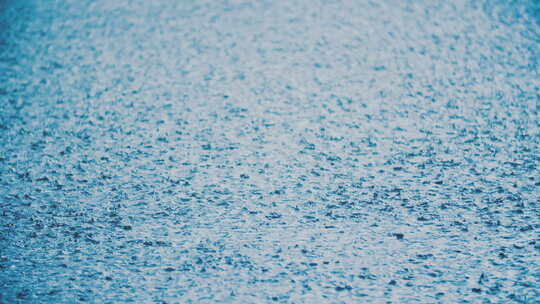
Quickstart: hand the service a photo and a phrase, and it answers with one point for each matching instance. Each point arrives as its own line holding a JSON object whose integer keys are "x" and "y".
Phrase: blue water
{"x": 269, "y": 151}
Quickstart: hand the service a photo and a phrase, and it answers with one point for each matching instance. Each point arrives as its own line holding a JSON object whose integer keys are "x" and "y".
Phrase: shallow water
{"x": 272, "y": 151}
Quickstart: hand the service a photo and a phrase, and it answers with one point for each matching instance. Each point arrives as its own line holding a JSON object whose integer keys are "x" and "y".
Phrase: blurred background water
{"x": 269, "y": 151}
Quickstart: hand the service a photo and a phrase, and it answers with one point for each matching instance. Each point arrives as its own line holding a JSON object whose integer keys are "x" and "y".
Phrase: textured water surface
{"x": 269, "y": 151}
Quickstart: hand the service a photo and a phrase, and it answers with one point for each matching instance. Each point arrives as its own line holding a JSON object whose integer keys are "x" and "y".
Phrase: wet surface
{"x": 273, "y": 151}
